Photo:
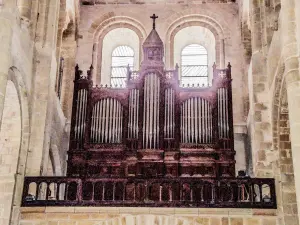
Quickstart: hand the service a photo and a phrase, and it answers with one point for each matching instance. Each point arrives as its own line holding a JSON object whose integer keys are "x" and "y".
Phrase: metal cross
{"x": 154, "y": 17}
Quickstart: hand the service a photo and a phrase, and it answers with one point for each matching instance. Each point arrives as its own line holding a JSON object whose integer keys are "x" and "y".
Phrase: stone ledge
{"x": 157, "y": 211}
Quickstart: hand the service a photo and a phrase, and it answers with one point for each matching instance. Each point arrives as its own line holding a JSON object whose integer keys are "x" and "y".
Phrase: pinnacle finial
{"x": 153, "y": 17}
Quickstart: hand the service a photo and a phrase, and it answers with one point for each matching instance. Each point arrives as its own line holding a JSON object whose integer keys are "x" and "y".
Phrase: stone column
{"x": 297, "y": 4}
{"x": 292, "y": 76}
{"x": 95, "y": 63}
{"x": 69, "y": 55}
{"x": 25, "y": 8}
{"x": 6, "y": 23}
{"x": 43, "y": 86}
{"x": 261, "y": 141}
{"x": 222, "y": 54}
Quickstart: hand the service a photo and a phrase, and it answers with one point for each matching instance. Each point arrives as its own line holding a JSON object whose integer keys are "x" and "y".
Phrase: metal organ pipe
{"x": 106, "y": 124}
{"x": 151, "y": 112}
{"x": 133, "y": 114}
{"x": 151, "y": 91}
{"x": 169, "y": 125}
{"x": 79, "y": 128}
{"x": 196, "y": 121}
{"x": 106, "y": 120}
{"x": 77, "y": 116}
{"x": 223, "y": 118}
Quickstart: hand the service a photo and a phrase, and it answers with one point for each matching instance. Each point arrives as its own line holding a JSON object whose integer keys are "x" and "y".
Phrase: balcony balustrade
{"x": 159, "y": 192}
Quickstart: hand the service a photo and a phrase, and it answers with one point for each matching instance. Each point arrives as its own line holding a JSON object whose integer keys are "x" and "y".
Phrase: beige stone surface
{"x": 261, "y": 39}
{"x": 165, "y": 217}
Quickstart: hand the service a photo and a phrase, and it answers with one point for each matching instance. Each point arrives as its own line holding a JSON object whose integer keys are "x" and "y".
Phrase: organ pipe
{"x": 79, "y": 127}
{"x": 106, "y": 124}
{"x": 196, "y": 121}
{"x": 223, "y": 117}
{"x": 151, "y": 112}
{"x": 169, "y": 124}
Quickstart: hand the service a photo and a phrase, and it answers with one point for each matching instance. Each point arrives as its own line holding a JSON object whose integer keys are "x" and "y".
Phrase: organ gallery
{"x": 152, "y": 126}
{"x": 149, "y": 140}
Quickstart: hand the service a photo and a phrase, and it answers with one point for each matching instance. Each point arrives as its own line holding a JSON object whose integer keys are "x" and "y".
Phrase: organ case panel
{"x": 153, "y": 127}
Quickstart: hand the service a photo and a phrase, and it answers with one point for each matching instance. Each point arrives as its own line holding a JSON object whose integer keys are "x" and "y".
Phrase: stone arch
{"x": 282, "y": 146}
{"x": 109, "y": 19}
{"x": 197, "y": 17}
{"x": 10, "y": 133}
{"x": 16, "y": 77}
{"x": 100, "y": 27}
{"x": 195, "y": 35}
{"x": 18, "y": 106}
{"x": 276, "y": 104}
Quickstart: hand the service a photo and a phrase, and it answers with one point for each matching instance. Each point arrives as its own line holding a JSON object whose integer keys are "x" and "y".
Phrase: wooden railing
{"x": 161, "y": 192}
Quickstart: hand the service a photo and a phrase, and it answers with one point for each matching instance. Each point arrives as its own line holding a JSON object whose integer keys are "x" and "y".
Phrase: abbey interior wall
{"x": 30, "y": 50}
{"x": 27, "y": 75}
{"x": 97, "y": 18}
{"x": 273, "y": 70}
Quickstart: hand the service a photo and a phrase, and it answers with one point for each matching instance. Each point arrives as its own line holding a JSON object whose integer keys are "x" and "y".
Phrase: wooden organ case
{"x": 153, "y": 127}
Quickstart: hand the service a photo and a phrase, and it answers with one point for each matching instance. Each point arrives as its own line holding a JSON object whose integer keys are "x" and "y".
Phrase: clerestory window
{"x": 194, "y": 66}
{"x": 122, "y": 56}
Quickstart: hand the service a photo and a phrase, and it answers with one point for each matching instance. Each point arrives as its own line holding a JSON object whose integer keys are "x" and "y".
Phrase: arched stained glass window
{"x": 122, "y": 56}
{"x": 194, "y": 65}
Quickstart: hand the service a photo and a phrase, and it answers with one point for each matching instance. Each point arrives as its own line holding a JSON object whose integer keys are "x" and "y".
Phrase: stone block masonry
{"x": 145, "y": 216}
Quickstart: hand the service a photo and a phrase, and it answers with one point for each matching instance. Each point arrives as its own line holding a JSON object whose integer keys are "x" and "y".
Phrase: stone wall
{"x": 273, "y": 76}
{"x": 218, "y": 21}
{"x": 36, "y": 33}
{"x": 10, "y": 139}
{"x": 145, "y": 216}
{"x": 221, "y": 19}
{"x": 30, "y": 116}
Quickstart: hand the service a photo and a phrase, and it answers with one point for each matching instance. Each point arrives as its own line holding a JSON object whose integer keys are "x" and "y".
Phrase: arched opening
{"x": 10, "y": 133}
{"x": 122, "y": 57}
{"x": 195, "y": 51}
{"x": 10, "y": 143}
{"x": 194, "y": 65}
{"x": 285, "y": 181}
{"x": 120, "y": 48}
{"x": 288, "y": 200}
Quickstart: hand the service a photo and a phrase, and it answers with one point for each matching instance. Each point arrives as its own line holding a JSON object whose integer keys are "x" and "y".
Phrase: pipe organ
{"x": 152, "y": 127}
{"x": 151, "y": 143}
